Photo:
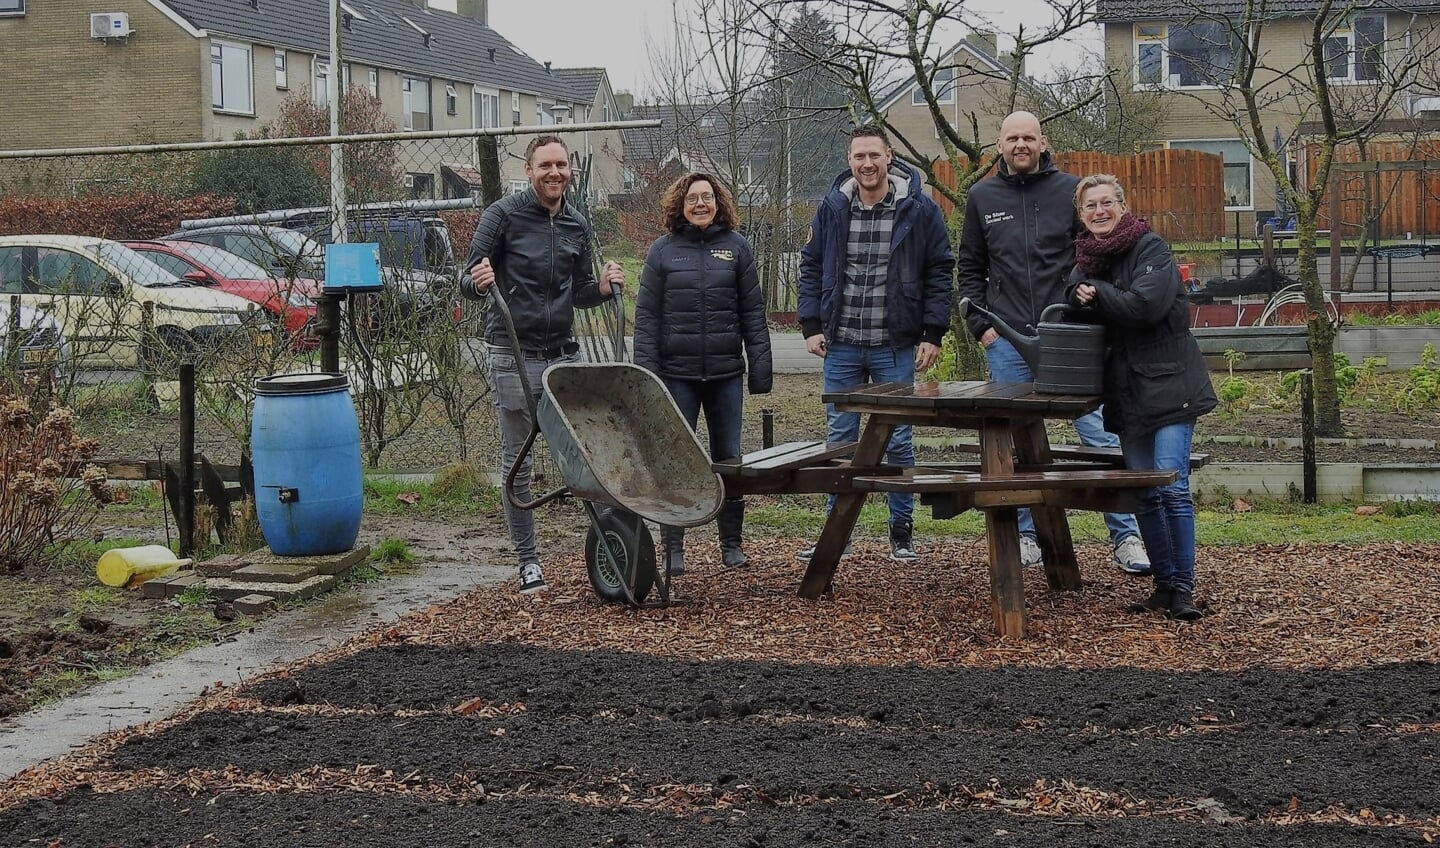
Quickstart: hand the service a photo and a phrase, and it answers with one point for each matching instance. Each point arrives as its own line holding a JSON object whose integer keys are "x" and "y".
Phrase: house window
{"x": 1198, "y": 54}
{"x": 344, "y": 76}
{"x": 544, "y": 114}
{"x": 451, "y": 100}
{"x": 487, "y": 109}
{"x": 1238, "y": 188}
{"x": 320, "y": 82}
{"x": 12, "y": 7}
{"x": 374, "y": 83}
{"x": 1356, "y": 53}
{"x": 282, "y": 72}
{"x": 422, "y": 186}
{"x": 943, "y": 86}
{"x": 230, "y": 78}
{"x": 518, "y": 186}
{"x": 515, "y": 108}
{"x": 415, "y": 103}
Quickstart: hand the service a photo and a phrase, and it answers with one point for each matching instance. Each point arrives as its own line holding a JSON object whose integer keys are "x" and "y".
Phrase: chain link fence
{"x": 115, "y": 267}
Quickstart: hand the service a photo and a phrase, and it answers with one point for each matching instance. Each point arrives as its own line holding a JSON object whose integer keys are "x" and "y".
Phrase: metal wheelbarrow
{"x": 623, "y": 448}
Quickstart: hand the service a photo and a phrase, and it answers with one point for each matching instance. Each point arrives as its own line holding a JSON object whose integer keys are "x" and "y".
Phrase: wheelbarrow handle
{"x": 515, "y": 472}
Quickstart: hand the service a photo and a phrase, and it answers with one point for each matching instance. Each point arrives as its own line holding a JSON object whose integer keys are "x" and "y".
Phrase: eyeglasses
{"x": 692, "y": 199}
{"x": 1107, "y": 205}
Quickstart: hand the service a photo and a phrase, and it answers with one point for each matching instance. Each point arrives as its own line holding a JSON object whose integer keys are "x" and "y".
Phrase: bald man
{"x": 1016, "y": 250}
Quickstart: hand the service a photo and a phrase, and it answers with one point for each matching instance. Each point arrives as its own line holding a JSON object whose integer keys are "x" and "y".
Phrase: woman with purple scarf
{"x": 1156, "y": 381}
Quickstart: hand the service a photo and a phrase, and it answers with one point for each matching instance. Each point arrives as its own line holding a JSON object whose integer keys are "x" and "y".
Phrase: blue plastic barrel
{"x": 305, "y": 439}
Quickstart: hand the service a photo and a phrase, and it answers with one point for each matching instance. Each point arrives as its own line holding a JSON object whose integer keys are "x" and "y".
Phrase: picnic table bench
{"x": 1017, "y": 468}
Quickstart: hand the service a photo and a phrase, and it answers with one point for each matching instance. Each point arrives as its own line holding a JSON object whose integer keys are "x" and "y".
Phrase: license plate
{"x": 39, "y": 356}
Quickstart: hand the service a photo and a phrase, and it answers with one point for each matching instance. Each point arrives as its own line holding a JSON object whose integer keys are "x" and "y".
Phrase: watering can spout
{"x": 1027, "y": 346}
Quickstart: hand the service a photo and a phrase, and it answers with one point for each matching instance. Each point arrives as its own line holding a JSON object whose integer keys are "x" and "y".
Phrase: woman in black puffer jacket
{"x": 699, "y": 320}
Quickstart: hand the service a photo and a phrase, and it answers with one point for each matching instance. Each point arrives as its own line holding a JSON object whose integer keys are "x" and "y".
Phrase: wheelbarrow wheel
{"x": 628, "y": 541}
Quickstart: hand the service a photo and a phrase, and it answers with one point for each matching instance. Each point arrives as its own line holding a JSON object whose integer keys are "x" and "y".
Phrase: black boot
{"x": 673, "y": 540}
{"x": 1159, "y": 601}
{"x": 730, "y": 522}
{"x": 1182, "y": 606}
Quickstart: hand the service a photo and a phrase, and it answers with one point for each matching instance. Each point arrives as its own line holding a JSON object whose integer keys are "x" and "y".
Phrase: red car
{"x": 288, "y": 301}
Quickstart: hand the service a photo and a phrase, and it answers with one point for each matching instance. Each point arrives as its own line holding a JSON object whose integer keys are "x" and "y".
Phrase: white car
{"x": 30, "y": 340}
{"x": 104, "y": 295}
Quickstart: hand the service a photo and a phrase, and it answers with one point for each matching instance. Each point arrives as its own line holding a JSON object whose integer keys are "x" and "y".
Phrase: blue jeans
{"x": 513, "y": 410}
{"x": 1006, "y": 365}
{"x": 849, "y": 365}
{"x": 1167, "y": 514}
{"x": 723, "y": 402}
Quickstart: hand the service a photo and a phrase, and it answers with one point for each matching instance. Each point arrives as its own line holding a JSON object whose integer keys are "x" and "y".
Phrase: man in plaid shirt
{"x": 875, "y": 281}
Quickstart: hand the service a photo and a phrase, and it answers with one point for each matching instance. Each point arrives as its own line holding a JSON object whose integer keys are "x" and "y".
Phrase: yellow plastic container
{"x": 129, "y": 566}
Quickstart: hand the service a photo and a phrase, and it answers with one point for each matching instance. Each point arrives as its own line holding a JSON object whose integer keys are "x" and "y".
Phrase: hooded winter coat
{"x": 700, "y": 313}
{"x": 919, "y": 278}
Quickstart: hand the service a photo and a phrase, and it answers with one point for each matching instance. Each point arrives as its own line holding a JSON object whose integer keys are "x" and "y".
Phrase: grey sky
{"x": 617, "y": 34}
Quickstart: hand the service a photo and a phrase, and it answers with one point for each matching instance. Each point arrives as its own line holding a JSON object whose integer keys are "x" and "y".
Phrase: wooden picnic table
{"x": 1016, "y": 469}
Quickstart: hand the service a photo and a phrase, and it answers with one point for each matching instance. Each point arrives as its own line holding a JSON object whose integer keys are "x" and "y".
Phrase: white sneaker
{"x": 1030, "y": 551}
{"x": 1130, "y": 556}
{"x": 532, "y": 579}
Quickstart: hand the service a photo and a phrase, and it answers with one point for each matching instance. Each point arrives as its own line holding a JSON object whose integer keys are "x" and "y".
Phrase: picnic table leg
{"x": 1007, "y": 581}
{"x": 841, "y": 521}
{"x": 1052, "y": 529}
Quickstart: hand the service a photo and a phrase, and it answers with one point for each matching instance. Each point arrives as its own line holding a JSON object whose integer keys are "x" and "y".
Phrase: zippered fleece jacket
{"x": 920, "y": 275}
{"x": 542, "y": 262}
{"x": 1018, "y": 244}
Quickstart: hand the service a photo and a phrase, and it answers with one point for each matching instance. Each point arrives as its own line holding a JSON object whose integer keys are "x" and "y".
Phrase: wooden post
{"x": 1335, "y": 232}
{"x": 1307, "y": 433}
{"x": 767, "y": 428}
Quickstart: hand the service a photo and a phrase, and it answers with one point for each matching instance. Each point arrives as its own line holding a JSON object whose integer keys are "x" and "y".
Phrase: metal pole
{"x": 186, "y": 501}
{"x": 1237, "y": 244}
{"x": 767, "y": 428}
{"x": 334, "y": 89}
{"x": 327, "y": 327}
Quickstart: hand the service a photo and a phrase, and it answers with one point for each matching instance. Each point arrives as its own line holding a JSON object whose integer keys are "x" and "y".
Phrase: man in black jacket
{"x": 537, "y": 247}
{"x": 1016, "y": 251}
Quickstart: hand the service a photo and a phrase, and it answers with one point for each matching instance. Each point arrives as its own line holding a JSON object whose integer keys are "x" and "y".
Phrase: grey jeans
{"x": 513, "y": 411}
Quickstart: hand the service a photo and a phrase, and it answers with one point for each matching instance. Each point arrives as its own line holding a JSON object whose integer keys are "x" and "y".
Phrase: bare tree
{"x": 883, "y": 43}
{"x": 1341, "y": 71}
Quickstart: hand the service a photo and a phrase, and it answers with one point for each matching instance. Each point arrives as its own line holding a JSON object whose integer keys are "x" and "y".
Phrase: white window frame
{"x": 1345, "y": 36}
{"x": 1191, "y": 144}
{"x": 374, "y": 83}
{"x": 544, "y": 114}
{"x": 282, "y": 70}
{"x": 344, "y": 76}
{"x": 1154, "y": 37}
{"x": 452, "y": 100}
{"x": 12, "y": 8}
{"x": 518, "y": 186}
{"x": 223, "y": 98}
{"x": 483, "y": 97}
{"x": 943, "y": 86}
{"x": 320, "y": 81}
{"x": 409, "y": 96}
{"x": 515, "y": 108}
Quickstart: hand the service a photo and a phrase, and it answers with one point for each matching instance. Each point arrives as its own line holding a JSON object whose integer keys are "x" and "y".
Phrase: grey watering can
{"x": 1066, "y": 358}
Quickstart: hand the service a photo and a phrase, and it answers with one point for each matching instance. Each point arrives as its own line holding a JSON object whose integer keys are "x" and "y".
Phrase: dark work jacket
{"x": 700, "y": 314}
{"x": 1017, "y": 244}
{"x": 543, "y": 264}
{"x": 1154, "y": 372}
{"x": 919, "y": 277}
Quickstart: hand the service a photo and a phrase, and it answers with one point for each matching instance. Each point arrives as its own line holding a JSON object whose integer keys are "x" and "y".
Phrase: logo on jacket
{"x": 723, "y": 254}
{"x": 996, "y": 217}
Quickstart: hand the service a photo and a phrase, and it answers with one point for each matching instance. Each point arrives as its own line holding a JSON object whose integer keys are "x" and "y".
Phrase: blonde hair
{"x": 1098, "y": 180}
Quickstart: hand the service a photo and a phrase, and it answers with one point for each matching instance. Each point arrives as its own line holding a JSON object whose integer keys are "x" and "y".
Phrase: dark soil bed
{"x": 1305, "y": 710}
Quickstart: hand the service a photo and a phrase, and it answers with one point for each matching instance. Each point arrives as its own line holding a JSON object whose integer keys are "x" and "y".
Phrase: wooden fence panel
{"x": 1181, "y": 192}
{"x": 1399, "y": 202}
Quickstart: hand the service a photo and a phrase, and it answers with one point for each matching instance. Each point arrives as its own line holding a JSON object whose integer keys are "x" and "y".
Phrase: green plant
{"x": 196, "y": 596}
{"x": 1422, "y": 384}
{"x": 92, "y": 598}
{"x": 392, "y": 551}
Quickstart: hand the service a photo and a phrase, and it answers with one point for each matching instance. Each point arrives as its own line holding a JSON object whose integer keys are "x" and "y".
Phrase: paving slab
{"x": 227, "y": 589}
{"x": 254, "y": 604}
{"x": 273, "y": 572}
{"x": 323, "y": 564}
